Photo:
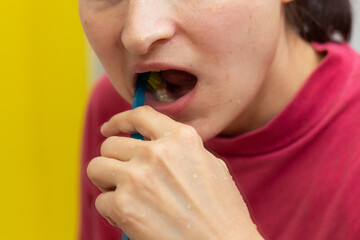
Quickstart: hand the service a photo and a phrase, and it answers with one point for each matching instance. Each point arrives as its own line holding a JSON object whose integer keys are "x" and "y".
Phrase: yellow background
{"x": 43, "y": 92}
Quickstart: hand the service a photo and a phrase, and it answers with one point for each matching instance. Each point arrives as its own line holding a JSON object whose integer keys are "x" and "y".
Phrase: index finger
{"x": 145, "y": 120}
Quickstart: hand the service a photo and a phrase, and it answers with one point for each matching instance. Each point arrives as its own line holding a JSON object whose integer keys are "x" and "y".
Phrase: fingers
{"x": 120, "y": 148}
{"x": 145, "y": 120}
{"x": 115, "y": 208}
{"x": 103, "y": 204}
{"x": 106, "y": 173}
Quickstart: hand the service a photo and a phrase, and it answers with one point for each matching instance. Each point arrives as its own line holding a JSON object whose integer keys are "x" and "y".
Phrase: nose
{"x": 147, "y": 23}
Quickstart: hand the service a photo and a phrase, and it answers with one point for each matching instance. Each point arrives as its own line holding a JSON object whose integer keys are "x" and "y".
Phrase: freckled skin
{"x": 230, "y": 45}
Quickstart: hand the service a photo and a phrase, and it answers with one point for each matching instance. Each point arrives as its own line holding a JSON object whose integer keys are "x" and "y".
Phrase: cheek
{"x": 237, "y": 27}
{"x": 243, "y": 41}
{"x": 100, "y": 29}
{"x": 97, "y": 35}
{"x": 86, "y": 18}
{"x": 103, "y": 34}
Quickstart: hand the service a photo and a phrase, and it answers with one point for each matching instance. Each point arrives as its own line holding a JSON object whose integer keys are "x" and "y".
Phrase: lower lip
{"x": 171, "y": 109}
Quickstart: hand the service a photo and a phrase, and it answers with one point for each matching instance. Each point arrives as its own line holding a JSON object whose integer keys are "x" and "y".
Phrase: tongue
{"x": 178, "y": 83}
{"x": 179, "y": 78}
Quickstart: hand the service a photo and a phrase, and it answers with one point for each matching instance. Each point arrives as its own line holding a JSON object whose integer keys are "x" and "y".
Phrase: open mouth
{"x": 169, "y": 85}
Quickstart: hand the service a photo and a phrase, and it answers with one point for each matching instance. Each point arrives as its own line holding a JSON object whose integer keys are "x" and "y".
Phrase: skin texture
{"x": 249, "y": 65}
{"x": 166, "y": 188}
{"x": 231, "y": 63}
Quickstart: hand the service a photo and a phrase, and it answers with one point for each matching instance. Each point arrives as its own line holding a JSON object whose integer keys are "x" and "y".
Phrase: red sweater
{"x": 299, "y": 174}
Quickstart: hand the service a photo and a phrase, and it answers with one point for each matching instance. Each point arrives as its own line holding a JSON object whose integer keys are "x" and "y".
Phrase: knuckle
{"x": 142, "y": 178}
{"x": 119, "y": 208}
{"x": 186, "y": 131}
{"x": 161, "y": 150}
{"x": 146, "y": 108}
{"x": 135, "y": 112}
{"x": 189, "y": 134}
{"x": 119, "y": 202}
{"x": 156, "y": 152}
{"x": 147, "y": 151}
{"x": 140, "y": 111}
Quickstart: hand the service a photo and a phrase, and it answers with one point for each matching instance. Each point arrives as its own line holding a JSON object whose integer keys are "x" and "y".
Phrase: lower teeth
{"x": 163, "y": 96}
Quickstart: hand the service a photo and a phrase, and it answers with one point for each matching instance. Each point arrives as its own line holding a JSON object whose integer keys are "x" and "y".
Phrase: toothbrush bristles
{"x": 154, "y": 80}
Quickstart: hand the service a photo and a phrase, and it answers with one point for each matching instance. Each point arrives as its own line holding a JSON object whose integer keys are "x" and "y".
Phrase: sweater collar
{"x": 307, "y": 109}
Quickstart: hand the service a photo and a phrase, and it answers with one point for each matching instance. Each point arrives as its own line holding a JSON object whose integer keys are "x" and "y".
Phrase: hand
{"x": 168, "y": 186}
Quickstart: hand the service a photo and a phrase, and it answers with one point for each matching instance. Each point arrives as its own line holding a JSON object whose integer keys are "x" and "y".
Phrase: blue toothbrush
{"x": 139, "y": 97}
{"x": 138, "y": 100}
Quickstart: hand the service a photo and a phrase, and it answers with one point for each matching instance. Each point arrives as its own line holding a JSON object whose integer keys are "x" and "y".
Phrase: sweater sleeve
{"x": 104, "y": 102}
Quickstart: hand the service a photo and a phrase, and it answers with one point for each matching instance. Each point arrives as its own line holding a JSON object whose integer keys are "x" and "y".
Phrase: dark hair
{"x": 320, "y": 20}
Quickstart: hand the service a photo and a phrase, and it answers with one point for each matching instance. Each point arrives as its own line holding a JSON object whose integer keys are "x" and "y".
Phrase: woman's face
{"x": 228, "y": 46}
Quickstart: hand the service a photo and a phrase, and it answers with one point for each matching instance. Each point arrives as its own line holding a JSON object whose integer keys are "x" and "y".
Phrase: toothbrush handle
{"x": 137, "y": 136}
{"x": 124, "y": 237}
{"x": 139, "y": 97}
{"x": 139, "y": 100}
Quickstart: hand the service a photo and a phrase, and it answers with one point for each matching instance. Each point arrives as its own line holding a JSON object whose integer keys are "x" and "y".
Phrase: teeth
{"x": 158, "y": 87}
{"x": 163, "y": 96}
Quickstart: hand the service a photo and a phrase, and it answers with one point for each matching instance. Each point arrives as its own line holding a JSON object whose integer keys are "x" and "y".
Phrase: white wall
{"x": 355, "y": 40}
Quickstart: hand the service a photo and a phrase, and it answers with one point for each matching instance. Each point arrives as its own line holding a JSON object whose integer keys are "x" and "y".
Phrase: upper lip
{"x": 156, "y": 66}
